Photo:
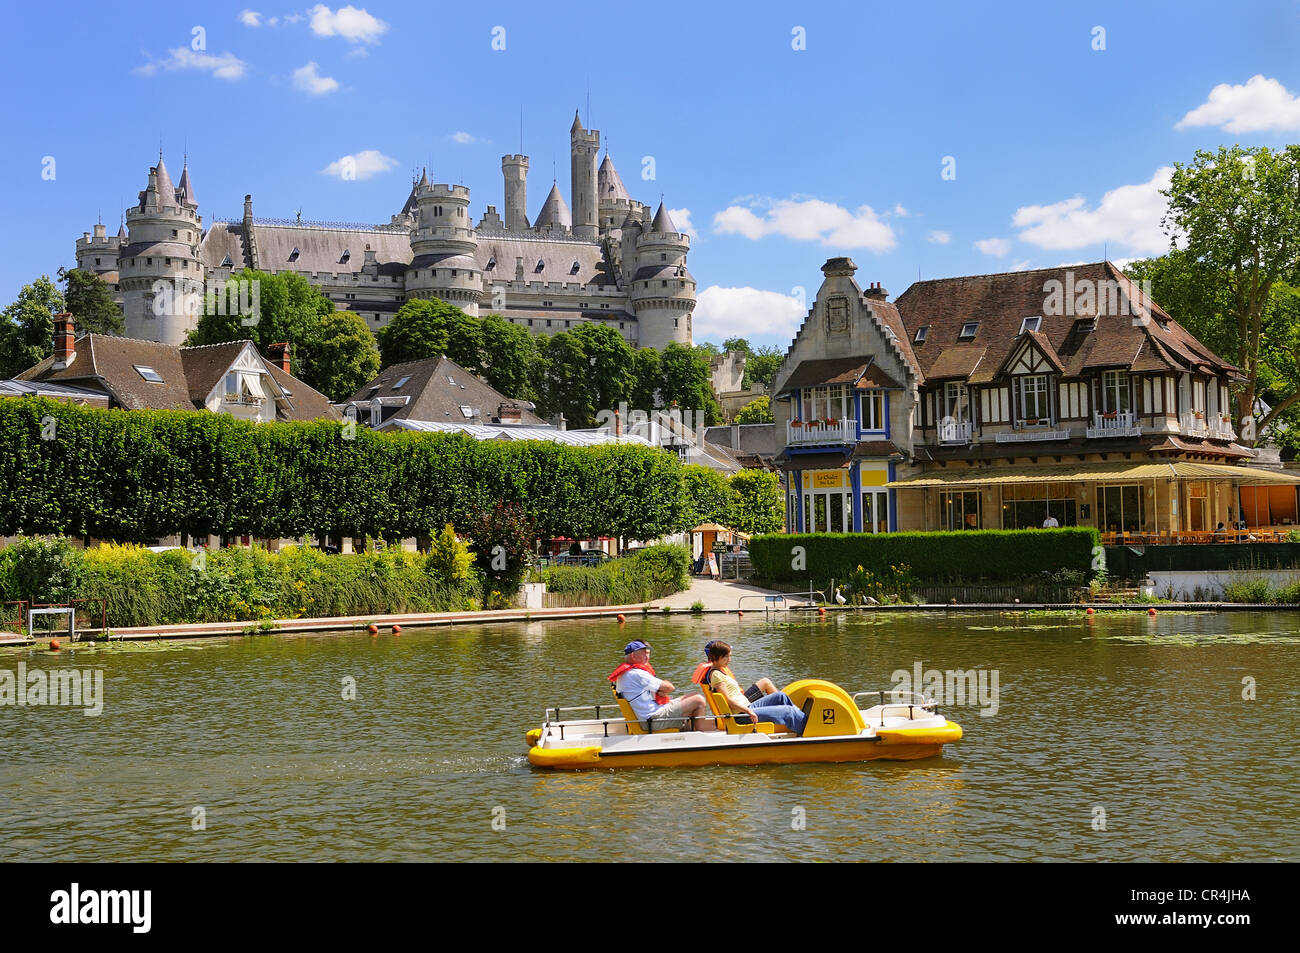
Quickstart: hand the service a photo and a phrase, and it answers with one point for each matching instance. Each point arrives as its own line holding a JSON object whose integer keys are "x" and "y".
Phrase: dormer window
{"x": 921, "y": 334}
{"x": 968, "y": 330}
{"x": 227, "y": 263}
{"x": 573, "y": 269}
{"x": 345, "y": 256}
{"x": 492, "y": 263}
{"x": 148, "y": 373}
{"x": 1085, "y": 325}
{"x": 540, "y": 265}
{"x": 293, "y": 255}
{"x": 1030, "y": 324}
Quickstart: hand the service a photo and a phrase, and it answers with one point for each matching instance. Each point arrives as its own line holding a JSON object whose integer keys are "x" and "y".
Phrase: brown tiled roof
{"x": 877, "y": 448}
{"x": 1000, "y": 303}
{"x": 960, "y": 360}
{"x": 206, "y": 365}
{"x": 303, "y": 402}
{"x": 889, "y": 314}
{"x": 860, "y": 371}
{"x": 874, "y": 376}
{"x": 437, "y": 389}
{"x": 108, "y": 363}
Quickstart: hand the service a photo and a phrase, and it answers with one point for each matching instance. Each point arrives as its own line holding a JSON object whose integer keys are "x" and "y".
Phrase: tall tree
{"x": 648, "y": 374}
{"x": 761, "y": 366}
{"x": 508, "y": 357}
{"x": 737, "y": 344}
{"x": 340, "y": 355}
{"x": 707, "y": 498}
{"x": 612, "y": 378}
{"x": 567, "y": 381}
{"x": 90, "y": 302}
{"x": 27, "y": 327}
{"x": 757, "y": 411}
{"x": 685, "y": 379}
{"x": 289, "y": 310}
{"x": 1238, "y": 213}
{"x": 757, "y": 506}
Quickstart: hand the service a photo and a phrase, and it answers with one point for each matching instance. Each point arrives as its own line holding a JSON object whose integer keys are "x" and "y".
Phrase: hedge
{"x": 134, "y": 476}
{"x": 962, "y": 556}
{"x": 646, "y": 574}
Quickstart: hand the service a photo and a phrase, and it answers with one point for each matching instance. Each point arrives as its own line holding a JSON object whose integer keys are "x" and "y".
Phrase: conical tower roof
{"x": 424, "y": 179}
{"x": 166, "y": 191}
{"x": 577, "y": 123}
{"x": 663, "y": 221}
{"x": 187, "y": 187}
{"x": 555, "y": 211}
{"x": 631, "y": 220}
{"x": 609, "y": 183}
{"x": 121, "y": 231}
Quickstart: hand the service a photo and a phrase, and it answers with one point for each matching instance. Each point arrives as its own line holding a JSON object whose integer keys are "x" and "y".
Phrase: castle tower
{"x": 662, "y": 291}
{"x": 442, "y": 248}
{"x": 515, "y": 171}
{"x": 613, "y": 200}
{"x": 98, "y": 254}
{"x": 161, "y": 275}
{"x": 585, "y": 146}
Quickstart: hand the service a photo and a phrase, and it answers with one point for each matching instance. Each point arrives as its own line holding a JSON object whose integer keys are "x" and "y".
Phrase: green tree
{"x": 508, "y": 357}
{"x": 91, "y": 303}
{"x": 503, "y": 539}
{"x": 27, "y": 327}
{"x": 566, "y": 383}
{"x": 686, "y": 380}
{"x": 464, "y": 340}
{"x": 449, "y": 559}
{"x": 418, "y": 330}
{"x": 340, "y": 356}
{"x": 1238, "y": 211}
{"x": 761, "y": 366}
{"x": 289, "y": 310}
{"x": 611, "y": 378}
{"x": 757, "y": 411}
{"x": 647, "y": 373}
{"x": 707, "y": 497}
{"x": 737, "y": 344}
{"x": 757, "y": 506}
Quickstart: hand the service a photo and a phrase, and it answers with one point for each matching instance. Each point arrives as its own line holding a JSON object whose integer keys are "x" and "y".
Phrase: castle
{"x": 608, "y": 260}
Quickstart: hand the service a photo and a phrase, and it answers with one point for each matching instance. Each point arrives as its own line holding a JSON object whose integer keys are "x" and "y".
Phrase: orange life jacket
{"x": 660, "y": 698}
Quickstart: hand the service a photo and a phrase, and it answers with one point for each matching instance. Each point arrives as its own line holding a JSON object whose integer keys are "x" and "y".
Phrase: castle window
{"x": 548, "y": 322}
{"x": 293, "y": 255}
{"x": 665, "y": 283}
{"x": 620, "y": 325}
{"x": 453, "y": 272}
{"x": 346, "y": 255}
{"x": 530, "y": 322}
{"x": 147, "y": 261}
{"x": 227, "y": 263}
{"x": 167, "y": 261}
{"x": 573, "y": 270}
{"x": 604, "y": 304}
{"x": 674, "y": 322}
{"x": 492, "y": 263}
{"x": 540, "y": 265}
{"x": 173, "y": 233}
{"x": 97, "y": 261}
{"x": 663, "y": 257}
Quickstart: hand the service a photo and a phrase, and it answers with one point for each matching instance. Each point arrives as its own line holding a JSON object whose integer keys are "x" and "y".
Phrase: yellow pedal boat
{"x": 899, "y": 726}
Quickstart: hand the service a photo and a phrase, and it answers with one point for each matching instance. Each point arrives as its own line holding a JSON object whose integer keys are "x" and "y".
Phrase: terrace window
{"x": 873, "y": 410}
{"x": 1115, "y": 395}
{"x": 1033, "y": 399}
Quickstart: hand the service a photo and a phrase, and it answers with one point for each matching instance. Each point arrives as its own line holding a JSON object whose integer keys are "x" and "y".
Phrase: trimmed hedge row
{"x": 964, "y": 556}
{"x": 133, "y": 476}
{"x": 644, "y": 575}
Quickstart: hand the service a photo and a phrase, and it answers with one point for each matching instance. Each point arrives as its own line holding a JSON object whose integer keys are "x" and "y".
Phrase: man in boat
{"x": 648, "y": 694}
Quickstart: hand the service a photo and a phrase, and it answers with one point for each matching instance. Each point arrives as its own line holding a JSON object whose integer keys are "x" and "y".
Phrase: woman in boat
{"x": 776, "y": 707}
{"x": 754, "y": 692}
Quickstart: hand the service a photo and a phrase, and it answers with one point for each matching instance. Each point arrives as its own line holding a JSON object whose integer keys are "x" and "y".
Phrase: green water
{"x": 1139, "y": 720}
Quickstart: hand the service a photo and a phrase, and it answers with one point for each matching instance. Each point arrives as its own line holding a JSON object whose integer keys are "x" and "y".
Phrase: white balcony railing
{"x": 820, "y": 431}
{"x": 1114, "y": 425}
{"x": 1221, "y": 429}
{"x": 954, "y": 431}
{"x": 1033, "y": 433}
{"x": 1193, "y": 425}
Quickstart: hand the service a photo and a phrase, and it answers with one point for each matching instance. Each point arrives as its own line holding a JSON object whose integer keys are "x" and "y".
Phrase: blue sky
{"x": 778, "y": 157}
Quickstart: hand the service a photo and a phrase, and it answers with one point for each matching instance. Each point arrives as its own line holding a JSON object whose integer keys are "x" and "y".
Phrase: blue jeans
{"x": 778, "y": 708}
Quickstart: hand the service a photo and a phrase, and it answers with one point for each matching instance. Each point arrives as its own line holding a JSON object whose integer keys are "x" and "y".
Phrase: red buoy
{"x": 621, "y": 618}
{"x": 397, "y": 630}
{"x": 373, "y": 629}
{"x": 821, "y": 610}
{"x": 54, "y": 645}
{"x": 1151, "y": 611}
{"x": 1090, "y": 610}
{"x": 739, "y": 614}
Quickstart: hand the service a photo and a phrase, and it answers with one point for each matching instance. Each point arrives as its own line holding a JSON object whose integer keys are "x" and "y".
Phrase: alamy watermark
{"x": 1088, "y": 298}
{"x": 955, "y": 687}
{"x": 666, "y": 427}
{"x": 64, "y": 687}
{"x": 242, "y": 298}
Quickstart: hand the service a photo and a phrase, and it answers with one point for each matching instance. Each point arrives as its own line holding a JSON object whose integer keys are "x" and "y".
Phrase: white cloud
{"x": 682, "y": 219}
{"x": 273, "y": 21}
{"x": 292, "y": 18}
{"x": 900, "y": 211}
{"x": 938, "y": 237}
{"x": 745, "y": 312}
{"x": 307, "y": 79}
{"x": 363, "y": 165}
{"x": 225, "y": 66}
{"x": 993, "y": 246}
{"x": 1128, "y": 216}
{"x": 1260, "y": 105}
{"x": 462, "y": 138}
{"x": 355, "y": 26}
{"x": 807, "y": 220}
{"x": 250, "y": 18}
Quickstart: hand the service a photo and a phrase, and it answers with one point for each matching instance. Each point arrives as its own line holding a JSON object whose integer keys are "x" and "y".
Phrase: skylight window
{"x": 1085, "y": 325}
{"x": 921, "y": 334}
{"x": 466, "y": 411}
{"x": 968, "y": 329}
{"x": 148, "y": 373}
{"x": 398, "y": 385}
{"x": 1030, "y": 324}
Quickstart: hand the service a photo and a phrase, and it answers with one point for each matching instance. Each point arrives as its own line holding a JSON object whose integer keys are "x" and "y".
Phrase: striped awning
{"x": 1096, "y": 473}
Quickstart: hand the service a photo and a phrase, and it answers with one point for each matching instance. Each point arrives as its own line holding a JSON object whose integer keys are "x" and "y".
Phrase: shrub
{"x": 963, "y": 556}
{"x": 697, "y": 607}
{"x": 41, "y": 569}
{"x": 647, "y": 574}
{"x": 1254, "y": 590}
{"x": 449, "y": 559}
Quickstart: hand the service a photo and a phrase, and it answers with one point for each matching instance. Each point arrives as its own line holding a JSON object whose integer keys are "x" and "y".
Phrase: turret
{"x": 662, "y": 291}
{"x": 98, "y": 253}
{"x": 585, "y": 146}
{"x": 443, "y": 246}
{"x": 514, "y": 169}
{"x": 161, "y": 275}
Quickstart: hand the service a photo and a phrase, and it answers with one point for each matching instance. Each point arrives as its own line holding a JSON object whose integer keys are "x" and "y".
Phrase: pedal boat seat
{"x": 719, "y": 705}
{"x": 634, "y": 725}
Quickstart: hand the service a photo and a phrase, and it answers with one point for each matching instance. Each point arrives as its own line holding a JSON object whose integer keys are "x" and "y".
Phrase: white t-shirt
{"x": 1050, "y": 523}
{"x": 639, "y": 689}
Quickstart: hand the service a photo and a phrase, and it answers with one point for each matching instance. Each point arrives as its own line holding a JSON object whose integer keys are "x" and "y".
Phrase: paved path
{"x": 719, "y": 594}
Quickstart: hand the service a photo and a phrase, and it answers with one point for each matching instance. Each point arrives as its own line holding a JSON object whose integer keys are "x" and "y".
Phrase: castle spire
{"x": 663, "y": 221}
{"x": 555, "y": 211}
{"x": 187, "y": 186}
{"x": 577, "y": 123}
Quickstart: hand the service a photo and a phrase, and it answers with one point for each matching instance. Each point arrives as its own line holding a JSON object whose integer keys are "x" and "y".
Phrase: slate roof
{"x": 860, "y": 372}
{"x": 663, "y": 222}
{"x": 554, "y": 210}
{"x": 437, "y": 389}
{"x": 609, "y": 182}
{"x": 1150, "y": 340}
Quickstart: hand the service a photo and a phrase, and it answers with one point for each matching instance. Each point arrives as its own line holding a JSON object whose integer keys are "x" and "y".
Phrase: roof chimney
{"x": 282, "y": 352}
{"x": 876, "y": 291}
{"x": 510, "y": 414}
{"x": 65, "y": 332}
